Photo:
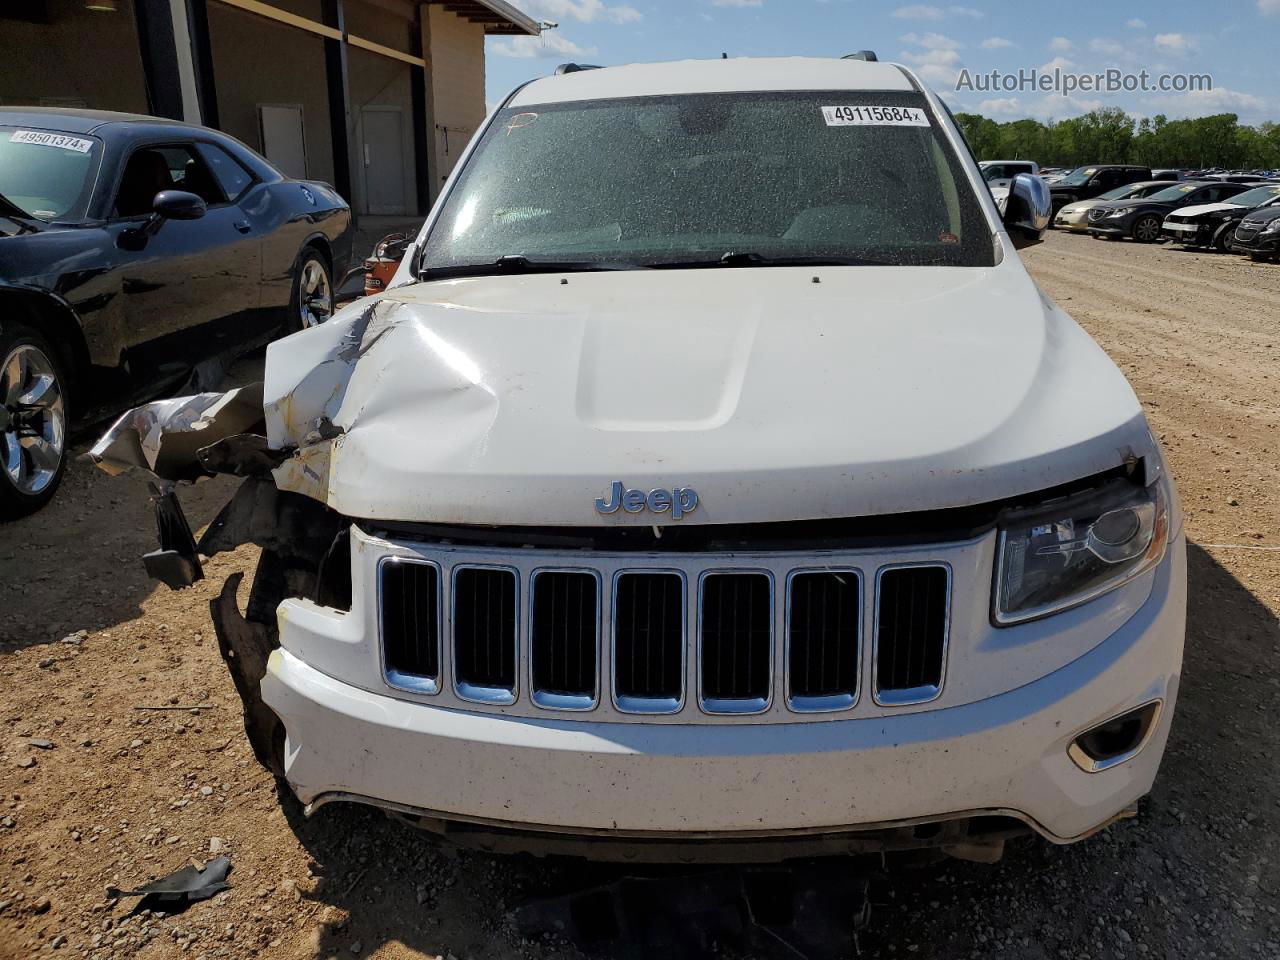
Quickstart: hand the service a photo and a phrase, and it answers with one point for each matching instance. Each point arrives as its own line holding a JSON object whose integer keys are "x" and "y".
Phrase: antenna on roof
{"x": 724, "y": 56}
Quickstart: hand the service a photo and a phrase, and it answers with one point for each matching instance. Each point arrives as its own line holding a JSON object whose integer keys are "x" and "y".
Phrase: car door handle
{"x": 244, "y": 226}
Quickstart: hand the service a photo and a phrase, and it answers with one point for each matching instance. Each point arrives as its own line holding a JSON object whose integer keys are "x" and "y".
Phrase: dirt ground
{"x": 95, "y": 792}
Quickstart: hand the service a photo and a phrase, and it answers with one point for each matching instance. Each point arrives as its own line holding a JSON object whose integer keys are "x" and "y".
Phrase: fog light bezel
{"x": 1088, "y": 764}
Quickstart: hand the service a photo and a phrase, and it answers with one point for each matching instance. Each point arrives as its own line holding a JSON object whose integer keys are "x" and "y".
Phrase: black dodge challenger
{"x": 132, "y": 249}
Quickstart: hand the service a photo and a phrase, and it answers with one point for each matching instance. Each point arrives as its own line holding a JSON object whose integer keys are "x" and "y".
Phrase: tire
{"x": 311, "y": 301}
{"x": 1222, "y": 242}
{"x": 1146, "y": 229}
{"x": 33, "y": 422}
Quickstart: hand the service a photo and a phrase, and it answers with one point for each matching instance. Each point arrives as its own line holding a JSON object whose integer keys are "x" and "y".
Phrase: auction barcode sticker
{"x": 45, "y": 139}
{"x": 875, "y": 117}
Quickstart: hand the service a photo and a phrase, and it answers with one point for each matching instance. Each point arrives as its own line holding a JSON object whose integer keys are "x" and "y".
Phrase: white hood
{"x": 520, "y": 400}
{"x": 1200, "y": 208}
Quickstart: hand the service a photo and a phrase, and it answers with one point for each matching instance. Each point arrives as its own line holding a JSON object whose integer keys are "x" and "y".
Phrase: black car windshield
{"x": 744, "y": 179}
{"x": 1174, "y": 193}
{"x": 1078, "y": 177}
{"x": 1256, "y": 197}
{"x": 47, "y": 173}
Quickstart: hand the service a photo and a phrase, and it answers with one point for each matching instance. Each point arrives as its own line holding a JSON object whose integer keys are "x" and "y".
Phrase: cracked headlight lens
{"x": 1065, "y": 553}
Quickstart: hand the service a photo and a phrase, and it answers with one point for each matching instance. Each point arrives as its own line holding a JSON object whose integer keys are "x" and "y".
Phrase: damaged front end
{"x": 280, "y": 445}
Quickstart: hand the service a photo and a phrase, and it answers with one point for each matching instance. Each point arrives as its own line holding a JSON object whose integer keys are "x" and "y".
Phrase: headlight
{"x": 1272, "y": 227}
{"x": 1122, "y": 212}
{"x": 1062, "y": 554}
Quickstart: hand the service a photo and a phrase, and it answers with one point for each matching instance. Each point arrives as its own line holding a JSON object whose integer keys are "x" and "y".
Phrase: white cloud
{"x": 996, "y": 43}
{"x": 551, "y": 45}
{"x": 919, "y": 11}
{"x": 1001, "y": 105}
{"x": 1174, "y": 42}
{"x": 1057, "y": 63}
{"x": 1057, "y": 106}
{"x": 1268, "y": 7}
{"x": 1105, "y": 45}
{"x": 1136, "y": 23}
{"x": 584, "y": 11}
{"x": 966, "y": 12}
{"x": 737, "y": 3}
{"x": 932, "y": 41}
{"x": 1061, "y": 44}
{"x": 1200, "y": 103}
{"x": 940, "y": 67}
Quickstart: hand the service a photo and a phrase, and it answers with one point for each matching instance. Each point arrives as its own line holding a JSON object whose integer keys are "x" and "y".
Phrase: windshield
{"x": 1078, "y": 177}
{"x": 1174, "y": 193}
{"x": 1256, "y": 197}
{"x": 673, "y": 181}
{"x": 47, "y": 173}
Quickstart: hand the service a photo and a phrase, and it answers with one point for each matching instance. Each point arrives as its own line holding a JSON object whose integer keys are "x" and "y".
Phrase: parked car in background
{"x": 1259, "y": 234}
{"x": 1167, "y": 175}
{"x": 1142, "y": 219}
{"x": 1085, "y": 183}
{"x": 998, "y": 173}
{"x": 1074, "y": 216}
{"x": 1214, "y": 224}
{"x": 131, "y": 249}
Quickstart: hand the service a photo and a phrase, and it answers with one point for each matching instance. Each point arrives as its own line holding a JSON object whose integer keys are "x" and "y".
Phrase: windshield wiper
{"x": 515, "y": 264}
{"x": 748, "y": 259}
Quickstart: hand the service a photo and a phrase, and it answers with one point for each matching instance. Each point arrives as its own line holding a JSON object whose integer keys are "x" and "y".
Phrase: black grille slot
{"x": 484, "y": 627}
{"x": 565, "y": 619}
{"x": 823, "y": 634}
{"x": 411, "y": 619}
{"x": 911, "y": 631}
{"x": 737, "y": 630}
{"x": 648, "y": 631}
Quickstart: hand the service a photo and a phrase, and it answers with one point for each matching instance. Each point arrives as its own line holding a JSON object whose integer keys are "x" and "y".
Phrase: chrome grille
{"x": 648, "y": 642}
{"x": 410, "y": 624}
{"x": 823, "y": 620}
{"x": 911, "y": 632}
{"x": 595, "y": 630}
{"x": 564, "y": 625}
{"x": 485, "y": 604}
{"x": 735, "y": 642}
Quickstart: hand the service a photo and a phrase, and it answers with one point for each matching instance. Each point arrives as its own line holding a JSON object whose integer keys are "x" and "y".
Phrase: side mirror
{"x": 1027, "y": 211}
{"x": 178, "y": 205}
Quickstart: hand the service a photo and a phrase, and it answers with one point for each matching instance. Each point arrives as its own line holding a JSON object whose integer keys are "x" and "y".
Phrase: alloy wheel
{"x": 315, "y": 294}
{"x": 1147, "y": 229}
{"x": 33, "y": 420}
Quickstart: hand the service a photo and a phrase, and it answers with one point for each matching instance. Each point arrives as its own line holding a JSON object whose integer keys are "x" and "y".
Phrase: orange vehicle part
{"x": 381, "y": 266}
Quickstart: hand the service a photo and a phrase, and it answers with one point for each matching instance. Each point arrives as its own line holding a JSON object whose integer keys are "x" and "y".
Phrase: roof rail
{"x": 868, "y": 55}
{"x": 574, "y": 68}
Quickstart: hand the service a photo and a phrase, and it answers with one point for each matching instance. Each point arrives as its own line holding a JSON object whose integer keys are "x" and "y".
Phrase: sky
{"x": 1235, "y": 41}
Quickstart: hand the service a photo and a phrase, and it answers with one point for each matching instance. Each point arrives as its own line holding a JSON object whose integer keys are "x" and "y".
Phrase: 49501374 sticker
{"x": 44, "y": 138}
{"x": 875, "y": 117}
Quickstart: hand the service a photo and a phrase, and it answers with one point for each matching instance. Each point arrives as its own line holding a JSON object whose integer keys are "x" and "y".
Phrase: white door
{"x": 382, "y": 153}
{"x": 283, "y": 142}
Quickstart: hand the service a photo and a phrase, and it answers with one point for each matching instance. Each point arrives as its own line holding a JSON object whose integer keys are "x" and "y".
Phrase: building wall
{"x": 256, "y": 61}
{"x": 380, "y": 84}
{"x": 455, "y": 61}
{"x": 59, "y": 60}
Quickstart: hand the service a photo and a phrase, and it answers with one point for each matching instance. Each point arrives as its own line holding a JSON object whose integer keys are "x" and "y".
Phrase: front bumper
{"x": 1113, "y": 228}
{"x": 1075, "y": 222}
{"x": 1256, "y": 243}
{"x": 1191, "y": 234}
{"x": 1005, "y": 754}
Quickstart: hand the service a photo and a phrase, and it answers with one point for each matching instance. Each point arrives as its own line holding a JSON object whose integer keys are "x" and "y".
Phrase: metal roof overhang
{"x": 497, "y": 16}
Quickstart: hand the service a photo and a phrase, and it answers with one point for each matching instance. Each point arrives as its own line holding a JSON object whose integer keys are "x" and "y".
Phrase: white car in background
{"x": 711, "y": 482}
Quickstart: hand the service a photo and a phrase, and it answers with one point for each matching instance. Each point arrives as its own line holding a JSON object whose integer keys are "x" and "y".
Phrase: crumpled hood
{"x": 520, "y": 400}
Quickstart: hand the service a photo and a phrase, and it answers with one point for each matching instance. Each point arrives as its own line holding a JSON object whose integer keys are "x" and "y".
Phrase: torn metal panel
{"x": 158, "y": 440}
{"x": 184, "y": 886}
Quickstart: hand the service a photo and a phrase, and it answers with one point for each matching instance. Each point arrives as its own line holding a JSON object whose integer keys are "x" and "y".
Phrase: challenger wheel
{"x": 1146, "y": 229}
{"x": 312, "y": 300}
{"x": 33, "y": 422}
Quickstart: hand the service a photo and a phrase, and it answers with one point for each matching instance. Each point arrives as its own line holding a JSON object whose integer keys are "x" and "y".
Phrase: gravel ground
{"x": 94, "y": 792}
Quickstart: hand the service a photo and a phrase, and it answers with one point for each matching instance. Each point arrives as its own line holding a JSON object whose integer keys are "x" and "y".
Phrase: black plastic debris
{"x": 813, "y": 911}
{"x": 181, "y": 888}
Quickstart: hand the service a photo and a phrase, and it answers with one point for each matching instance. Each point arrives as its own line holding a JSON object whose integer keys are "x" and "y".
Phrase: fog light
{"x": 1116, "y": 740}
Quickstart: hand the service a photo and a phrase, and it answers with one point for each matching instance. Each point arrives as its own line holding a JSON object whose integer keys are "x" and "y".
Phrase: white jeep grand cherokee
{"x": 712, "y": 481}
